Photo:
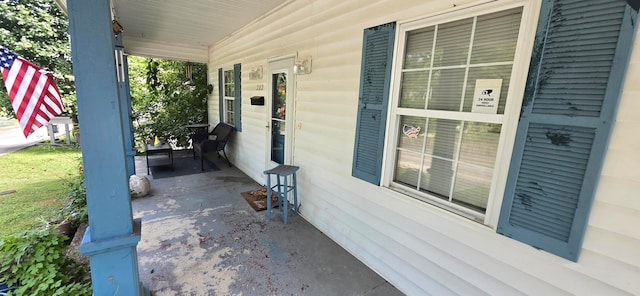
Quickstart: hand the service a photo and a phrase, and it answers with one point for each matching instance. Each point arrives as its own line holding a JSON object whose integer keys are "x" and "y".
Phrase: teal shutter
{"x": 375, "y": 76}
{"x": 237, "y": 102}
{"x": 220, "y": 95}
{"x": 579, "y": 59}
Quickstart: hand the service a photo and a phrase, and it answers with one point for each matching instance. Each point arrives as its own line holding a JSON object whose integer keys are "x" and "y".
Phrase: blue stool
{"x": 282, "y": 188}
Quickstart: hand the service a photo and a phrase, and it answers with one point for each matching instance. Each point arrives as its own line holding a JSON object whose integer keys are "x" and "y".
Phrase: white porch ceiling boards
{"x": 182, "y": 29}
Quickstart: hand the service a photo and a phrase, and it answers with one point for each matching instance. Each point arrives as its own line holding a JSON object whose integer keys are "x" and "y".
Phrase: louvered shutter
{"x": 237, "y": 102}
{"x": 580, "y": 57}
{"x": 377, "y": 52}
{"x": 220, "y": 95}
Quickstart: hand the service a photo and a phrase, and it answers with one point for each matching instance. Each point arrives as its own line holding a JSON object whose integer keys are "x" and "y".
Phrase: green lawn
{"x": 40, "y": 176}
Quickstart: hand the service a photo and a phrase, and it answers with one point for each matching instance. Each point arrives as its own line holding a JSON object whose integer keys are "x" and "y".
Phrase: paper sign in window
{"x": 486, "y": 96}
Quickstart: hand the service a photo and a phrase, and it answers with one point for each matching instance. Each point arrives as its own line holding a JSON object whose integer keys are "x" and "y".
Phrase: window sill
{"x": 439, "y": 203}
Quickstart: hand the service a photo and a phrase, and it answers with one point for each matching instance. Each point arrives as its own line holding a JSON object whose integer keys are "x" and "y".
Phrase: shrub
{"x": 75, "y": 209}
{"x": 35, "y": 262}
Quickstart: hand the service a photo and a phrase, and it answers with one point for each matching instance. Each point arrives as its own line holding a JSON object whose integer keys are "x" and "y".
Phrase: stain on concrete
{"x": 200, "y": 237}
{"x": 191, "y": 265}
{"x": 234, "y": 179}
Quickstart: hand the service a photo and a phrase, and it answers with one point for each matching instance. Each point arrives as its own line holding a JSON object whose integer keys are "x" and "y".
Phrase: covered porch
{"x": 200, "y": 237}
{"x": 421, "y": 241}
{"x": 194, "y": 234}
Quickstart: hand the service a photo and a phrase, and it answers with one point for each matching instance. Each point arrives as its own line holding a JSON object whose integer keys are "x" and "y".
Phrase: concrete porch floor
{"x": 200, "y": 237}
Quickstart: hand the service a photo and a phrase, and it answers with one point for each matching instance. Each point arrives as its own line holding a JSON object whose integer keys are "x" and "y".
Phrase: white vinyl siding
{"x": 419, "y": 248}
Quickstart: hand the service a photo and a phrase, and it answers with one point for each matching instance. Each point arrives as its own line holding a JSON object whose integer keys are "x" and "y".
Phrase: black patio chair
{"x": 216, "y": 140}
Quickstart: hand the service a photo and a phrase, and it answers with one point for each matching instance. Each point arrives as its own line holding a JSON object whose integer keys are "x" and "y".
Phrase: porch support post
{"x": 125, "y": 105}
{"x": 112, "y": 236}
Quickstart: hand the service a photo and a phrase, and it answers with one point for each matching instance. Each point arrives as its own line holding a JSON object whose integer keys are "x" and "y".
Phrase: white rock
{"x": 139, "y": 186}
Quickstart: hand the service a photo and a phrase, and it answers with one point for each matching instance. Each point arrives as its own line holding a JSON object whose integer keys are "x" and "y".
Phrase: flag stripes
{"x": 33, "y": 93}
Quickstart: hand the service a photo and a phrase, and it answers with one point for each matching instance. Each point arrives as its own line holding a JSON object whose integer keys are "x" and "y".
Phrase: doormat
{"x": 257, "y": 199}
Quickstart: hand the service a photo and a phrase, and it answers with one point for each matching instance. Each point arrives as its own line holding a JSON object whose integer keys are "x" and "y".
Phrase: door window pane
{"x": 278, "y": 129}
{"x": 279, "y": 96}
{"x": 278, "y": 116}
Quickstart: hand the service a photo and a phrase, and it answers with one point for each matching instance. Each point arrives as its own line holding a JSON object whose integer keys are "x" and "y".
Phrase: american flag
{"x": 33, "y": 93}
{"x": 411, "y": 131}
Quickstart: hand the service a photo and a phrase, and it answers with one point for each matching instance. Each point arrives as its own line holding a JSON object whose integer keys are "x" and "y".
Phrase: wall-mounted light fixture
{"x": 255, "y": 73}
{"x": 116, "y": 27}
{"x": 302, "y": 66}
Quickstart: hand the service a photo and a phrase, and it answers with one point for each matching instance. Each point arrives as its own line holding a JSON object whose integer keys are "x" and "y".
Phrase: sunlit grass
{"x": 39, "y": 175}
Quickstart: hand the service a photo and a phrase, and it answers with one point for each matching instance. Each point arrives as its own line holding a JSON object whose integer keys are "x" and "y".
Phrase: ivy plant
{"x": 75, "y": 209}
{"x": 35, "y": 263}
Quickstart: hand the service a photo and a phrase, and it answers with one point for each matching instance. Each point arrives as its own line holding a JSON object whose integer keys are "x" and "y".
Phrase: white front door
{"x": 280, "y": 111}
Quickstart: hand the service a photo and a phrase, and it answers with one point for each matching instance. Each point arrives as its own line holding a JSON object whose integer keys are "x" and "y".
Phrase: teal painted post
{"x": 112, "y": 236}
{"x": 131, "y": 152}
{"x": 125, "y": 106}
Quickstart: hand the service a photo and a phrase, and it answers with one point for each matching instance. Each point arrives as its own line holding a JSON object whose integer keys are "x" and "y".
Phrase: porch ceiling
{"x": 182, "y": 29}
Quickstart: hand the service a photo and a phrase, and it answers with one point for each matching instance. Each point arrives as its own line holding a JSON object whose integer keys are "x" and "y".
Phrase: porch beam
{"x": 165, "y": 50}
{"x": 112, "y": 236}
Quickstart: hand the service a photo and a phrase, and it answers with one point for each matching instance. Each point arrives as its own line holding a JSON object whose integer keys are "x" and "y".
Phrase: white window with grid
{"x": 442, "y": 149}
{"x": 228, "y": 96}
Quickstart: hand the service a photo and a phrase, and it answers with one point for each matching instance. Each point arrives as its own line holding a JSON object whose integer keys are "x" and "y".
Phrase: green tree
{"x": 37, "y": 30}
{"x": 164, "y": 99}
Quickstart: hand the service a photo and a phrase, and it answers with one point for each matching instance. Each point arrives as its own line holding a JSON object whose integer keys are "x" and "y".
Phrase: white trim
{"x": 522, "y": 59}
{"x": 508, "y": 120}
{"x": 225, "y": 98}
{"x": 281, "y": 64}
{"x": 461, "y": 12}
{"x": 444, "y": 205}
{"x": 456, "y": 66}
{"x": 446, "y": 12}
{"x": 452, "y": 115}
{"x": 282, "y": 57}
